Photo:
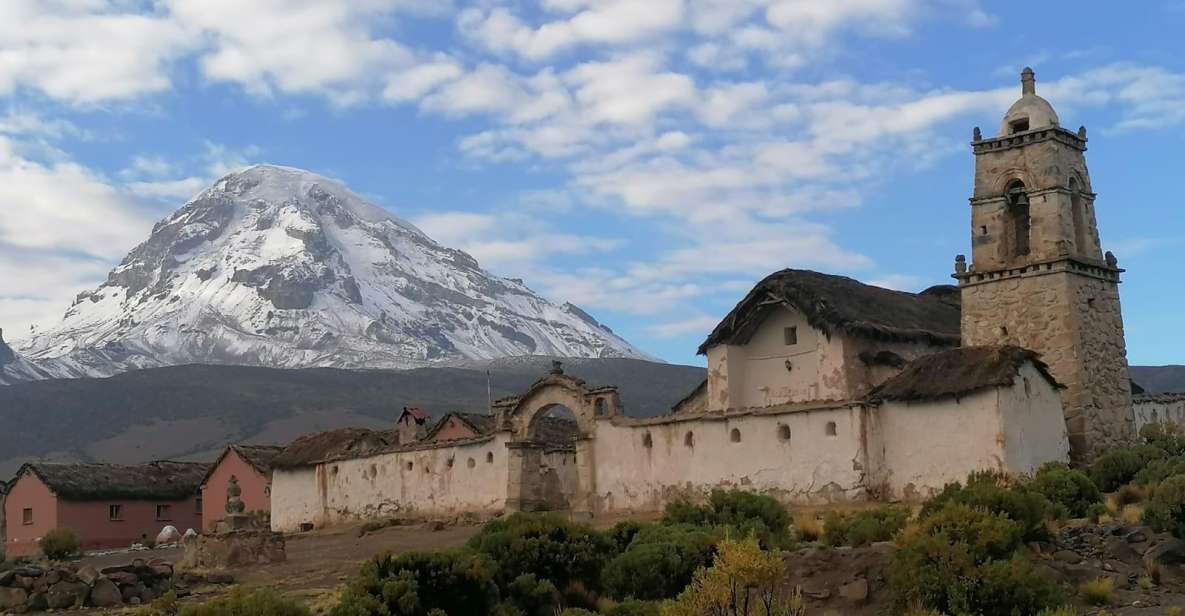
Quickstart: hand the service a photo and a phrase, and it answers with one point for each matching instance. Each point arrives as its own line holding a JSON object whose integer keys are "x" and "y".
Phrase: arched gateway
{"x": 532, "y": 483}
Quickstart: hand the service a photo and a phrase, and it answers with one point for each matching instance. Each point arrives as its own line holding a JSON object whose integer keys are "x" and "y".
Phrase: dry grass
{"x": 1174, "y": 611}
{"x": 810, "y": 528}
{"x": 1098, "y": 592}
{"x": 1145, "y": 583}
{"x": 1132, "y": 514}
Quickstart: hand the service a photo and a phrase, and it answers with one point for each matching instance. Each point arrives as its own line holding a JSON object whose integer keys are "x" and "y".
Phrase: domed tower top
{"x": 1031, "y": 111}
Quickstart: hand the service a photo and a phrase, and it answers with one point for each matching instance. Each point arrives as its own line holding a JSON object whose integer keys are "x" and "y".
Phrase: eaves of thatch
{"x": 311, "y": 449}
{"x": 959, "y": 372}
{"x": 155, "y": 481}
{"x": 841, "y": 304}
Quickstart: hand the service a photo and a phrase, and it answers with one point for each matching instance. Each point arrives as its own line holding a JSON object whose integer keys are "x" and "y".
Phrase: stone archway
{"x": 527, "y": 489}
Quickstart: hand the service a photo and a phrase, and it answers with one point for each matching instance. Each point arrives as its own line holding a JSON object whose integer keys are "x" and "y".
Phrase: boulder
{"x": 66, "y": 594}
{"x": 164, "y": 570}
{"x": 105, "y": 593}
{"x": 7, "y": 578}
{"x": 123, "y": 578}
{"x": 1164, "y": 558}
{"x": 87, "y": 575}
{"x": 36, "y": 602}
{"x": 12, "y": 598}
{"x": 854, "y": 592}
{"x": 168, "y": 534}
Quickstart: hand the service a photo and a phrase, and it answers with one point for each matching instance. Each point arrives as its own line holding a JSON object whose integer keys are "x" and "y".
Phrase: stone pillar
{"x": 523, "y": 489}
{"x": 582, "y": 501}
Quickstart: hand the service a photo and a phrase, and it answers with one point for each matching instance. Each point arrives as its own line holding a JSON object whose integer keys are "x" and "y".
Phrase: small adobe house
{"x": 108, "y": 505}
{"x": 412, "y": 425}
{"x": 456, "y": 425}
{"x": 251, "y": 466}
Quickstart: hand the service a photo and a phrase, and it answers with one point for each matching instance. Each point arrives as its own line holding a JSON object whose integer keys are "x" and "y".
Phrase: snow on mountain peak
{"x": 277, "y": 266}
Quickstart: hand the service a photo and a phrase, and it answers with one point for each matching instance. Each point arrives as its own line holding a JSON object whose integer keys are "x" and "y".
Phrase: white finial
{"x": 1028, "y": 81}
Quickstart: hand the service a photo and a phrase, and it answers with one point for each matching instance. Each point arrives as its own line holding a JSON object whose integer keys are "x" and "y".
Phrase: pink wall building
{"x": 108, "y": 505}
{"x": 251, "y": 465}
{"x": 458, "y": 426}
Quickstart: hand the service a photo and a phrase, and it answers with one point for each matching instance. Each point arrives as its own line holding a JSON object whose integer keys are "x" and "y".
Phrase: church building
{"x": 819, "y": 388}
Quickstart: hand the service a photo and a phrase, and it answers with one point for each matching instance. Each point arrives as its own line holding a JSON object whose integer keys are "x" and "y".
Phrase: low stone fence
{"x": 57, "y": 587}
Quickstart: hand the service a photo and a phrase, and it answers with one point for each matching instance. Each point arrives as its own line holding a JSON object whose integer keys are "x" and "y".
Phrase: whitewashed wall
{"x": 928, "y": 444}
{"x": 1034, "y": 423}
{"x": 808, "y": 467}
{"x": 408, "y": 482}
{"x": 1156, "y": 408}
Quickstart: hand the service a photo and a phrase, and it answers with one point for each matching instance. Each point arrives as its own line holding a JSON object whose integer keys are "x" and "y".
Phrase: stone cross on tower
{"x": 1038, "y": 277}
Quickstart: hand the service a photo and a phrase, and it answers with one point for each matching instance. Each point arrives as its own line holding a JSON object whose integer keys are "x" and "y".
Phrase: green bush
{"x": 1067, "y": 487}
{"x": 622, "y": 534}
{"x": 749, "y": 514}
{"x": 59, "y": 544}
{"x": 416, "y": 583}
{"x": 1166, "y": 436}
{"x": 660, "y": 561}
{"x": 962, "y": 560}
{"x": 995, "y": 494}
{"x": 1158, "y": 470}
{"x": 239, "y": 603}
{"x": 547, "y": 546}
{"x": 1166, "y": 510}
{"x": 575, "y": 611}
{"x": 863, "y": 527}
{"x": 1119, "y": 466}
{"x": 531, "y": 596}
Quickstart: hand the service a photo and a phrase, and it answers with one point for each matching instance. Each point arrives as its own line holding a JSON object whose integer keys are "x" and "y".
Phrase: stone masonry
{"x": 1038, "y": 277}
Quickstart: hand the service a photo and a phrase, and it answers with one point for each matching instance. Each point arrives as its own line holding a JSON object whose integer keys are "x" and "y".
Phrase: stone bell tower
{"x": 1038, "y": 277}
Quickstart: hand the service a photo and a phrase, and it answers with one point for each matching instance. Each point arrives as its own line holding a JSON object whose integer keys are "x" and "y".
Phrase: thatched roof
{"x": 959, "y": 372}
{"x": 158, "y": 481}
{"x": 841, "y": 304}
{"x": 260, "y": 457}
{"x": 345, "y": 442}
{"x": 480, "y": 423}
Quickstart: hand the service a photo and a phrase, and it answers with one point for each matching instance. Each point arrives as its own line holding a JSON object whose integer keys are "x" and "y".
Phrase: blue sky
{"x": 647, "y": 160}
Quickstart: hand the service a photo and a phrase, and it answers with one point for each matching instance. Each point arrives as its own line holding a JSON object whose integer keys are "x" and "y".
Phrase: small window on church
{"x": 790, "y": 335}
{"x": 689, "y": 439}
{"x": 783, "y": 432}
{"x": 647, "y": 441}
{"x": 27, "y": 515}
{"x": 1019, "y": 125}
{"x": 831, "y": 429}
{"x": 410, "y": 466}
{"x": 735, "y": 435}
{"x": 490, "y": 457}
{"x": 1028, "y": 389}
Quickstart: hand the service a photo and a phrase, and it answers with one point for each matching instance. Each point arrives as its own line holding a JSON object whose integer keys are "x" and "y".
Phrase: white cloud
{"x": 511, "y": 243}
{"x": 699, "y": 325}
{"x": 86, "y": 51}
{"x": 602, "y": 22}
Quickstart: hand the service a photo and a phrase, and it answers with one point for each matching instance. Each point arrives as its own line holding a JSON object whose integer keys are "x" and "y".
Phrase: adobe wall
{"x": 446, "y": 478}
{"x": 1073, "y": 320}
{"x": 929, "y": 444}
{"x": 1034, "y": 430}
{"x": 29, "y": 492}
{"x": 91, "y": 520}
{"x": 692, "y": 456}
{"x": 862, "y": 377}
{"x": 1158, "y": 408}
{"x": 454, "y": 429}
{"x": 755, "y": 375}
{"x": 256, "y": 489}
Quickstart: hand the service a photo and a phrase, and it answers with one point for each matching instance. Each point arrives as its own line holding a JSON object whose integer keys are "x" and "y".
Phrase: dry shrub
{"x": 809, "y": 527}
{"x": 1098, "y": 592}
{"x": 744, "y": 581}
{"x": 1132, "y": 514}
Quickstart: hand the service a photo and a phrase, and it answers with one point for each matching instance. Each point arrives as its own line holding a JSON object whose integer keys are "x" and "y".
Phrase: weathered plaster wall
{"x": 755, "y": 375}
{"x": 1157, "y": 408}
{"x": 1034, "y": 424}
{"x": 801, "y": 463}
{"x": 446, "y": 478}
{"x": 29, "y": 492}
{"x": 256, "y": 489}
{"x": 928, "y": 444}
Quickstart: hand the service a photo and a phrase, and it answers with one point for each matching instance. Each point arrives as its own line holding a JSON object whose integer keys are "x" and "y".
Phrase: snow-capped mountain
{"x": 279, "y": 267}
